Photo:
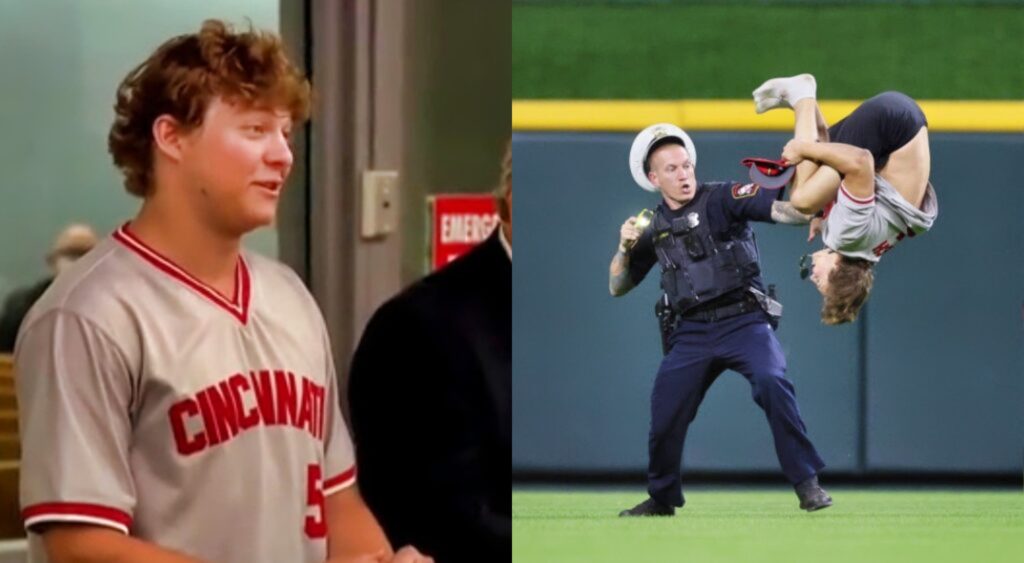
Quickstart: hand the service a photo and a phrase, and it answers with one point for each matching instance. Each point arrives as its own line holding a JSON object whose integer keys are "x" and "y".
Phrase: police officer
{"x": 700, "y": 236}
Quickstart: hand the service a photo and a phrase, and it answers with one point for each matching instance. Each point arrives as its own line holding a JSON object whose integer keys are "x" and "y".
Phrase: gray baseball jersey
{"x": 868, "y": 228}
{"x": 155, "y": 406}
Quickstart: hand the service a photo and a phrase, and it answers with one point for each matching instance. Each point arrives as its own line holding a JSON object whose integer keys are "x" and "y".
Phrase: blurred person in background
{"x": 430, "y": 395}
{"x": 71, "y": 244}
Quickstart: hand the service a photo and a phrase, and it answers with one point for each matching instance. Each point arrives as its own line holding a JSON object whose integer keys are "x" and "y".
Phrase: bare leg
{"x": 813, "y": 185}
{"x": 909, "y": 167}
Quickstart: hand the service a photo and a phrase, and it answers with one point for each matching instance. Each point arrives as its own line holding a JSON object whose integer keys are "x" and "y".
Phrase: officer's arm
{"x": 784, "y": 212}
{"x": 619, "y": 281}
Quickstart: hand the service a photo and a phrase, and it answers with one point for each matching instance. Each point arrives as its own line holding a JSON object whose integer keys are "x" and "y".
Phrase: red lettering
{"x": 284, "y": 385}
{"x": 224, "y": 413}
{"x": 263, "y": 389}
{"x": 223, "y": 410}
{"x": 305, "y": 420}
{"x": 882, "y": 248}
{"x": 209, "y": 421}
{"x": 318, "y": 411}
{"x": 323, "y": 413}
{"x": 178, "y": 413}
{"x": 249, "y": 419}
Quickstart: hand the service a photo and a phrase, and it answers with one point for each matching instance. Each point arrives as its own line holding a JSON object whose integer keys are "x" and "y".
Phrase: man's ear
{"x": 168, "y": 135}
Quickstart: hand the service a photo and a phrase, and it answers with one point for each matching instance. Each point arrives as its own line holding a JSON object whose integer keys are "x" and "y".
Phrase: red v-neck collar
{"x": 238, "y": 306}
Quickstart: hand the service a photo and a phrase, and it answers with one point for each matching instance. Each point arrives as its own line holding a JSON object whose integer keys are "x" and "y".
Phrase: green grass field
{"x": 765, "y": 526}
{"x": 715, "y": 51}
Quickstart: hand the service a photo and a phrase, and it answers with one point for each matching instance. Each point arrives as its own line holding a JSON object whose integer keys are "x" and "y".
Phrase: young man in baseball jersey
{"x": 868, "y": 173}
{"x": 177, "y": 394}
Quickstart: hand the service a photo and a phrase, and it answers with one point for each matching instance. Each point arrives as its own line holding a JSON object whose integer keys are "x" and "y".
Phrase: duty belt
{"x": 746, "y": 305}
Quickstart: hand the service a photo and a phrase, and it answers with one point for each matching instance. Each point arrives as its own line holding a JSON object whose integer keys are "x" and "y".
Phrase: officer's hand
{"x": 815, "y": 228}
{"x": 629, "y": 233}
{"x": 792, "y": 153}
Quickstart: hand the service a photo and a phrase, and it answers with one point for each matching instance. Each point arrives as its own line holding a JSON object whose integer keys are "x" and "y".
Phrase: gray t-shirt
{"x": 153, "y": 405}
{"x": 868, "y": 228}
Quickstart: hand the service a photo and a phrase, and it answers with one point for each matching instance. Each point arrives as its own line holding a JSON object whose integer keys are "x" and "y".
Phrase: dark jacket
{"x": 16, "y": 306}
{"x": 430, "y": 395}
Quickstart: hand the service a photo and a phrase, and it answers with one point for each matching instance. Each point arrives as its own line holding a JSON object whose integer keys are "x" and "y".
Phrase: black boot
{"x": 649, "y": 507}
{"x": 812, "y": 496}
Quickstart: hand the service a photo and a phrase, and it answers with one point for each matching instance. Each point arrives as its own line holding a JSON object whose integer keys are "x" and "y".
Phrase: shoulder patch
{"x": 744, "y": 190}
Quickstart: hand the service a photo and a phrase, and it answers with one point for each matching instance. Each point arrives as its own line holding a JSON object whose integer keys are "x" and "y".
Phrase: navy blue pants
{"x": 881, "y": 124}
{"x": 699, "y": 353}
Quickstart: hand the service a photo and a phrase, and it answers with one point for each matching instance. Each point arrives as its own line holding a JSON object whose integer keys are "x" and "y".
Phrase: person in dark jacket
{"x": 430, "y": 396}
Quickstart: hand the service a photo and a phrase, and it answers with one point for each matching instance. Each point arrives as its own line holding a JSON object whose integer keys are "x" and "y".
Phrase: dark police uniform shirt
{"x": 730, "y": 206}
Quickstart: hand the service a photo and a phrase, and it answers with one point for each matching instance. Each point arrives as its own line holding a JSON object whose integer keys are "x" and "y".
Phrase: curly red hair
{"x": 181, "y": 78}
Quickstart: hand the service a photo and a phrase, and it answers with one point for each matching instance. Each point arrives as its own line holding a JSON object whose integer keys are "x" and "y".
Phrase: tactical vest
{"x": 697, "y": 264}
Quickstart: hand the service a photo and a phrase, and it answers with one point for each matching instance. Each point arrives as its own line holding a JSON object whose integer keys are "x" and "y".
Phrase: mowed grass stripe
{"x": 765, "y": 525}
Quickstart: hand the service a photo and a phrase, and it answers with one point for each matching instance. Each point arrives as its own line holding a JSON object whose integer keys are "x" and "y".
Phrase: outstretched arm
{"x": 784, "y": 212}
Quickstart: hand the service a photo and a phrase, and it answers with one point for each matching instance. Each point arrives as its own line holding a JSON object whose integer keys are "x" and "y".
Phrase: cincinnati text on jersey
{"x": 224, "y": 410}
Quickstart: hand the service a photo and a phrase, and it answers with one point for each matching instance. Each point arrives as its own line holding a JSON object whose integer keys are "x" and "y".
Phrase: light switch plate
{"x": 380, "y": 203}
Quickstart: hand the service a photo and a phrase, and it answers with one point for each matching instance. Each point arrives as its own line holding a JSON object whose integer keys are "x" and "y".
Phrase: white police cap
{"x": 642, "y": 145}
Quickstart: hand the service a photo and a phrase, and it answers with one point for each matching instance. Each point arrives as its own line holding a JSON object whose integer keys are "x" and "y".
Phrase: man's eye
{"x": 258, "y": 129}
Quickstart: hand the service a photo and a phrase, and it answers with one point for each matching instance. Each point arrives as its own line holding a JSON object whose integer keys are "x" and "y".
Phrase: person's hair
{"x": 184, "y": 75}
{"x": 504, "y": 184}
{"x": 657, "y": 145}
{"x": 848, "y": 286}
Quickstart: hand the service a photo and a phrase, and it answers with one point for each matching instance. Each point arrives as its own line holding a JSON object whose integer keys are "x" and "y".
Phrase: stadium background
{"x": 926, "y": 388}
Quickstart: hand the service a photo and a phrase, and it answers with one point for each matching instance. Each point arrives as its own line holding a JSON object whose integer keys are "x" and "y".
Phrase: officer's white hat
{"x": 642, "y": 146}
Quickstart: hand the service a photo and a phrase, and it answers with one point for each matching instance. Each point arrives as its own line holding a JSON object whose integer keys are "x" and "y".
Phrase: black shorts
{"x": 881, "y": 125}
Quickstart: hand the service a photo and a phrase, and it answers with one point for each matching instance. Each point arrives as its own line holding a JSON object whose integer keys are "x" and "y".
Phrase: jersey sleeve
{"x": 642, "y": 257}
{"x": 339, "y": 455}
{"x": 850, "y": 222}
{"x": 749, "y": 202}
{"x": 75, "y": 389}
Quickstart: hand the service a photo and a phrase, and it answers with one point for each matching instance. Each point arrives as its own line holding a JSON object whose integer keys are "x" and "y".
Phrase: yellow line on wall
{"x": 738, "y": 115}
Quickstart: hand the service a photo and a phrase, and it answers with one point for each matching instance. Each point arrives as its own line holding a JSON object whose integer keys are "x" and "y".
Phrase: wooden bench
{"x": 10, "y": 453}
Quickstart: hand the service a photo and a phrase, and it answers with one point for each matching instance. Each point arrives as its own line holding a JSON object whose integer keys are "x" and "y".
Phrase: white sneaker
{"x": 784, "y": 92}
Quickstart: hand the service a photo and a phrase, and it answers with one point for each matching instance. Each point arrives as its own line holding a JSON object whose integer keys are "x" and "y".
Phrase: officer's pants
{"x": 700, "y": 351}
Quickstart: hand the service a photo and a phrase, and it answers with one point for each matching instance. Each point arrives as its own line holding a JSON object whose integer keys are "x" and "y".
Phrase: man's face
{"x": 237, "y": 162}
{"x": 822, "y": 264}
{"x": 672, "y": 172}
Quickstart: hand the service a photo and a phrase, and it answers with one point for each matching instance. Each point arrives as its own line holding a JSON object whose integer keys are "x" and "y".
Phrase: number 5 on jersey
{"x": 316, "y": 524}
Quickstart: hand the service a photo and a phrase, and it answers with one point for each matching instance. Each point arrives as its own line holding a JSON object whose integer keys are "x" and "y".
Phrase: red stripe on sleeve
{"x": 343, "y": 477}
{"x": 854, "y": 199}
{"x": 68, "y": 511}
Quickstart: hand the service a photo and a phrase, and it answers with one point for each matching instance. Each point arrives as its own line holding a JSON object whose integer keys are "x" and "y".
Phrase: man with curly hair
{"x": 178, "y": 396}
{"x": 874, "y": 165}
